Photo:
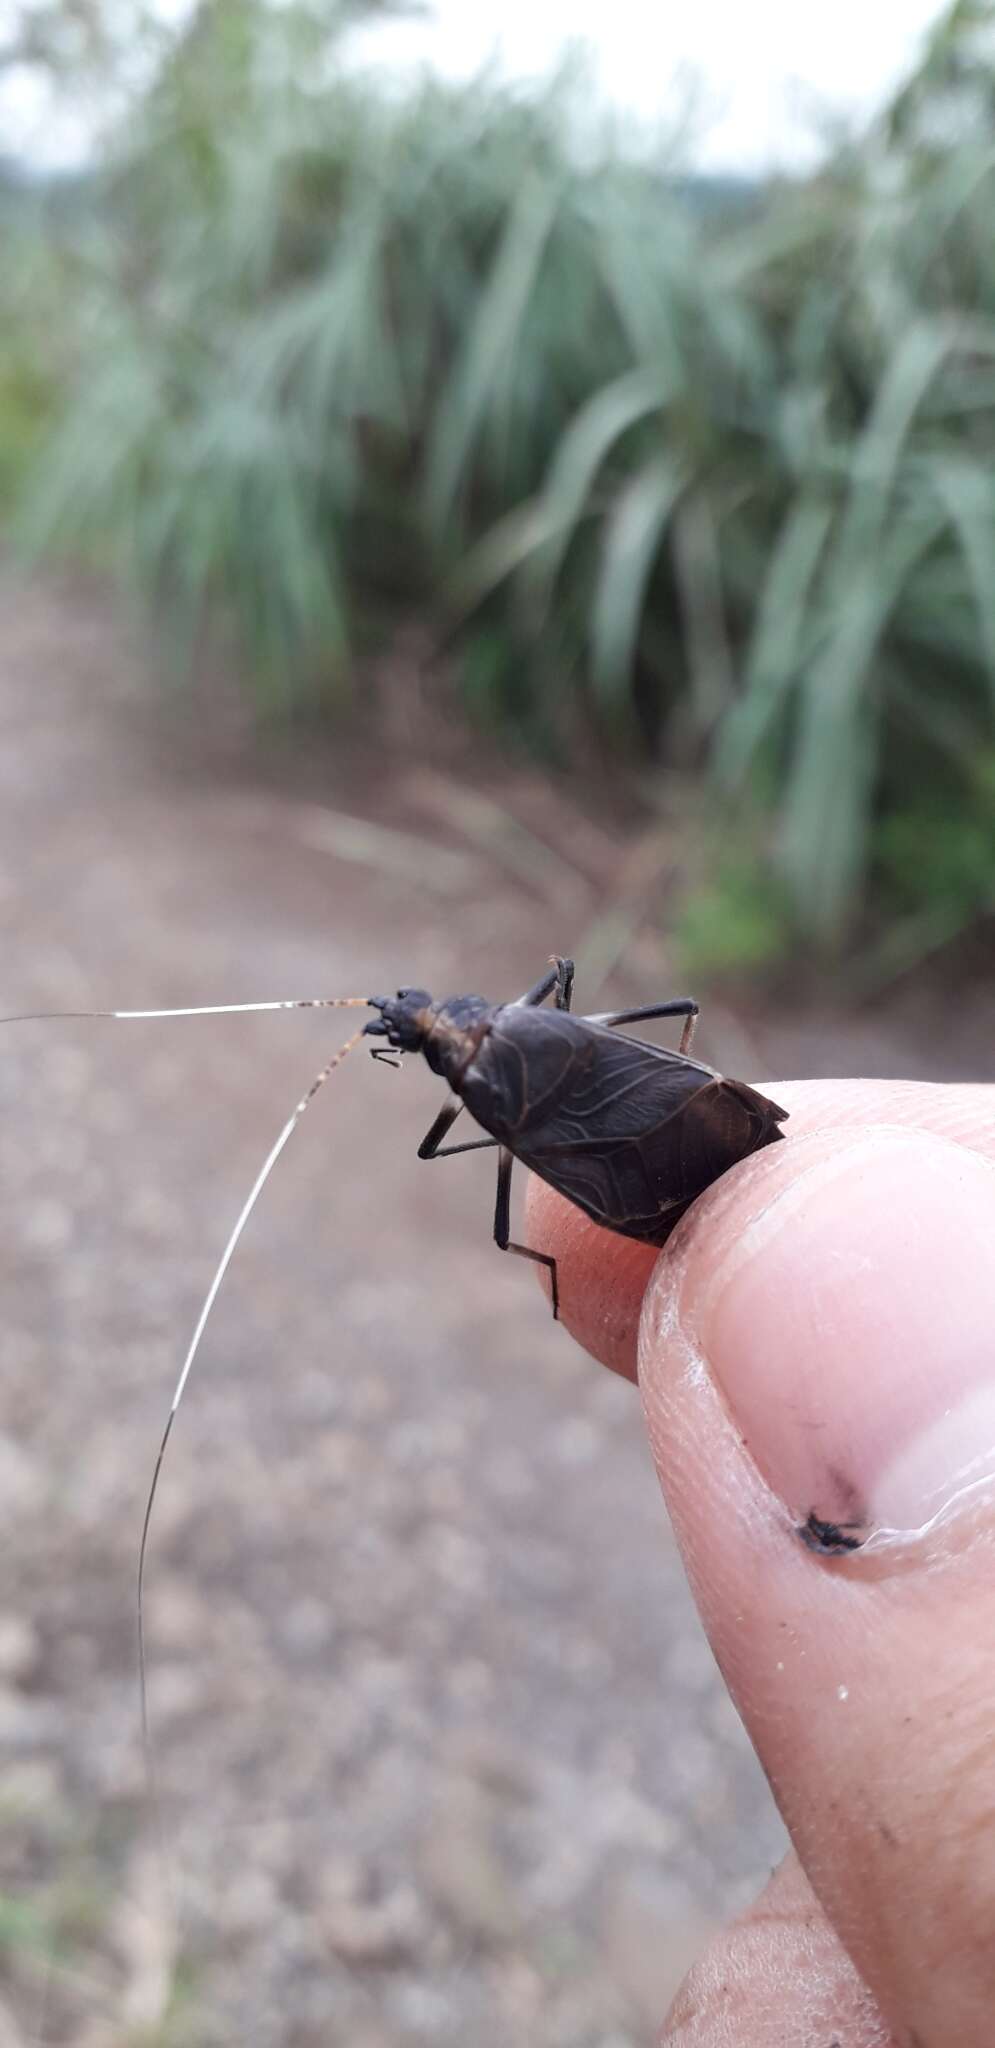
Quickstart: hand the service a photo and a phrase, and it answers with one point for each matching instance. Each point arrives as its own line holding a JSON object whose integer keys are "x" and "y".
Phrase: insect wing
{"x": 618, "y": 1182}
{"x": 633, "y": 1133}
{"x": 529, "y": 1062}
{"x": 609, "y": 1136}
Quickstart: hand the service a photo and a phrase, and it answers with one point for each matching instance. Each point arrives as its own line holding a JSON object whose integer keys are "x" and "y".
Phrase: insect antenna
{"x": 209, "y": 1300}
{"x": 196, "y": 1010}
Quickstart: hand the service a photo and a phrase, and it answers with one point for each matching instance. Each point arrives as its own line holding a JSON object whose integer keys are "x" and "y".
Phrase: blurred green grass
{"x": 706, "y": 476}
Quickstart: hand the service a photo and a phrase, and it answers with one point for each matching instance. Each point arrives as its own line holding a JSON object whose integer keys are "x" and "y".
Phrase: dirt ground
{"x": 442, "y": 1755}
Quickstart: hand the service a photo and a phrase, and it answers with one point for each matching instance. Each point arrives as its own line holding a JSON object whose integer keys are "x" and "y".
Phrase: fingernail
{"x": 851, "y": 1328}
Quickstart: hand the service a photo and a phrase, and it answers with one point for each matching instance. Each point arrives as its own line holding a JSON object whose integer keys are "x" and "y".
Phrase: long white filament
{"x": 205, "y": 1010}
{"x": 197, "y": 1010}
{"x": 211, "y": 1297}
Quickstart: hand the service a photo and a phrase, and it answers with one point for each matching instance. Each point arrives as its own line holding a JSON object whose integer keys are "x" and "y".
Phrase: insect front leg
{"x": 564, "y": 983}
{"x": 502, "y": 1227}
{"x": 431, "y": 1146}
{"x": 681, "y": 1006}
{"x": 559, "y": 975}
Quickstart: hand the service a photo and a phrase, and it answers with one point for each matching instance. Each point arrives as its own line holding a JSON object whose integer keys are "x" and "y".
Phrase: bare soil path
{"x": 443, "y": 1755}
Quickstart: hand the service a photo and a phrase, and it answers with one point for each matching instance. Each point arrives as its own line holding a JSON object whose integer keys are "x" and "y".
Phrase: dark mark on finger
{"x": 832, "y": 1539}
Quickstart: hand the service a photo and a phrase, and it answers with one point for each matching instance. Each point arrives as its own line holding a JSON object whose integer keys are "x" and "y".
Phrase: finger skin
{"x": 869, "y": 1694}
{"x": 777, "y": 1976}
{"x": 603, "y": 1277}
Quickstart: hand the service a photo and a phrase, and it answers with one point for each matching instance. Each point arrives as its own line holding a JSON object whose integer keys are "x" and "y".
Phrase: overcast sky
{"x": 763, "y": 67}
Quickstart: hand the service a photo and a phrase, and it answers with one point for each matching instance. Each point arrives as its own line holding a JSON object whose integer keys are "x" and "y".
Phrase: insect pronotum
{"x": 630, "y": 1132}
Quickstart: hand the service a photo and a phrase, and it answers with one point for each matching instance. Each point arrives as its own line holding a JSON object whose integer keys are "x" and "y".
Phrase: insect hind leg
{"x": 681, "y": 1006}
{"x": 502, "y": 1229}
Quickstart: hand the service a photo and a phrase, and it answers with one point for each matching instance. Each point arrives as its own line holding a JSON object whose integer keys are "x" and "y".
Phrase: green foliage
{"x": 735, "y": 925}
{"x": 939, "y": 853}
{"x": 32, "y": 299}
{"x": 713, "y": 482}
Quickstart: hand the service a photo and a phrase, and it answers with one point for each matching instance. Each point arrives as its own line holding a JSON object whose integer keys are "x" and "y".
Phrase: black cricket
{"x": 630, "y": 1132}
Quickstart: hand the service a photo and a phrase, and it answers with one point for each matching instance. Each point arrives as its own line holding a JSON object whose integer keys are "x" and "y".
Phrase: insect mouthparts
{"x": 402, "y": 1018}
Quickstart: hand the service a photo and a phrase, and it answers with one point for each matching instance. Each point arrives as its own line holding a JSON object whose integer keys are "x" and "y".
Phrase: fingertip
{"x": 602, "y": 1277}
{"x": 818, "y": 1339}
{"x": 779, "y": 1973}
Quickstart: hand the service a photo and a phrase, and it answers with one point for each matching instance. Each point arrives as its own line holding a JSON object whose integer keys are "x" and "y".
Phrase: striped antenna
{"x": 196, "y": 1010}
{"x": 209, "y": 1300}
